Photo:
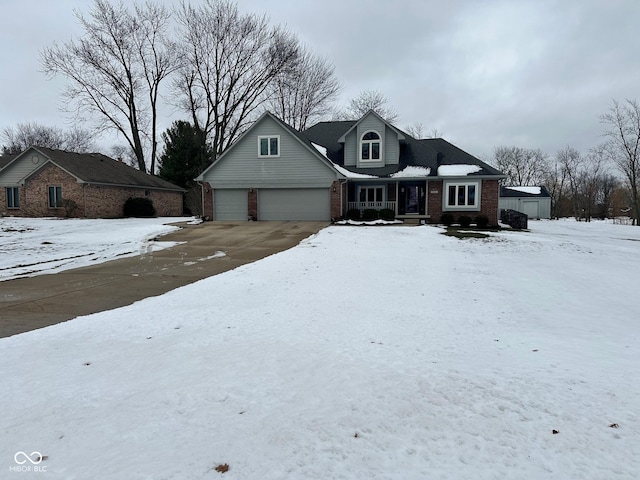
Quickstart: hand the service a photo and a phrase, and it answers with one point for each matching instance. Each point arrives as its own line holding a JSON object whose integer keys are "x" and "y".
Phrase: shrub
{"x": 387, "y": 214}
{"x": 482, "y": 221}
{"x": 370, "y": 214}
{"x": 464, "y": 221}
{"x": 446, "y": 219}
{"x": 353, "y": 214}
{"x": 139, "y": 207}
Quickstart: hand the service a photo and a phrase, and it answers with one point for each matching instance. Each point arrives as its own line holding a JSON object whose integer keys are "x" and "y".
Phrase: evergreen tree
{"x": 185, "y": 154}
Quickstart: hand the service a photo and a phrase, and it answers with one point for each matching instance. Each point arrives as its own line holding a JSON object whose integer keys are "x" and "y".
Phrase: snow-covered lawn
{"x": 363, "y": 353}
{"x": 33, "y": 246}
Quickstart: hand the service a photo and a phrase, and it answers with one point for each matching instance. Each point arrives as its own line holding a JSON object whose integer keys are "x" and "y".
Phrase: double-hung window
{"x": 55, "y": 197}
{"x": 462, "y": 195}
{"x": 370, "y": 147}
{"x": 13, "y": 197}
{"x": 269, "y": 146}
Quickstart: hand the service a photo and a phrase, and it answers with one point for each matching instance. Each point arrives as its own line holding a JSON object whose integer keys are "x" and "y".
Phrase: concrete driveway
{"x": 36, "y": 302}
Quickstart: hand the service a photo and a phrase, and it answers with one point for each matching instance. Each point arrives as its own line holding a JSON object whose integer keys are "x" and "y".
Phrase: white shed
{"x": 535, "y": 202}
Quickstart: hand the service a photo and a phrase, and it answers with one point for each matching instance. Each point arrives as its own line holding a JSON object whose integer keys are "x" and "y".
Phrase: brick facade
{"x": 338, "y": 200}
{"x": 85, "y": 200}
{"x": 207, "y": 199}
{"x": 488, "y": 202}
{"x": 252, "y": 203}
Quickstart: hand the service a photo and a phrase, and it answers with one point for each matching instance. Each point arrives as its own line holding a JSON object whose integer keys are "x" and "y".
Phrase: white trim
{"x": 455, "y": 206}
{"x": 269, "y": 138}
{"x": 370, "y": 143}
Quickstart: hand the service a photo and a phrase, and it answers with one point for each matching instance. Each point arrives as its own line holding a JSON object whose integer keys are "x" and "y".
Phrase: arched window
{"x": 370, "y": 147}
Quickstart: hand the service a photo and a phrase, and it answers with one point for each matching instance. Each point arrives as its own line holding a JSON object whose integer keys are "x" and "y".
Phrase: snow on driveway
{"x": 363, "y": 353}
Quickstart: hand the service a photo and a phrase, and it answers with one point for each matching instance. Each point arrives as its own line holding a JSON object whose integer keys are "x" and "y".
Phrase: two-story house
{"x": 274, "y": 172}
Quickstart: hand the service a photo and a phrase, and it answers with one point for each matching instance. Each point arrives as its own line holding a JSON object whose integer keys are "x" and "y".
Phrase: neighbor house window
{"x": 269, "y": 146}
{"x": 55, "y": 197}
{"x": 371, "y": 195}
{"x": 370, "y": 147}
{"x": 462, "y": 195}
{"x": 13, "y": 197}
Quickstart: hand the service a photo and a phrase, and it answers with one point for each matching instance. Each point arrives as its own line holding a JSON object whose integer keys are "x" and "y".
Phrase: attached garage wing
{"x": 311, "y": 204}
{"x": 231, "y": 204}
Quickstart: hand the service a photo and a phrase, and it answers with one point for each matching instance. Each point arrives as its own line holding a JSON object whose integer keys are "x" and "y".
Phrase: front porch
{"x": 406, "y": 199}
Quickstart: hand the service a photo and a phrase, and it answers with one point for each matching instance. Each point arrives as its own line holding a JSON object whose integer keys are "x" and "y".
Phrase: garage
{"x": 231, "y": 204}
{"x": 534, "y": 201}
{"x": 311, "y": 204}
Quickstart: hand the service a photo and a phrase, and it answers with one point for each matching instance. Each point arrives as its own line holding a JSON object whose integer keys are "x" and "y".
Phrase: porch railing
{"x": 374, "y": 205}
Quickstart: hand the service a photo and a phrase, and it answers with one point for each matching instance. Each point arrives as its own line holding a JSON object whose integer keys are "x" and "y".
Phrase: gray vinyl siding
{"x": 296, "y": 166}
{"x": 543, "y": 209}
{"x": 390, "y": 144}
{"x": 22, "y": 167}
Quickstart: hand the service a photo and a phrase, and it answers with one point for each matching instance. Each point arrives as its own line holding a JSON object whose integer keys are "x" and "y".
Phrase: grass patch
{"x": 462, "y": 234}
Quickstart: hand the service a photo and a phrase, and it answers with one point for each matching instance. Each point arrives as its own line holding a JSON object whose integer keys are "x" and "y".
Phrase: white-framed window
{"x": 269, "y": 146}
{"x": 55, "y": 197}
{"x": 370, "y": 147}
{"x": 13, "y": 197}
{"x": 462, "y": 195}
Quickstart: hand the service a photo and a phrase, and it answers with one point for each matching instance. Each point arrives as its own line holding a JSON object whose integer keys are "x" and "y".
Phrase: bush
{"x": 464, "y": 221}
{"x": 353, "y": 214}
{"x": 370, "y": 214}
{"x": 387, "y": 214}
{"x": 446, "y": 219}
{"x": 139, "y": 207}
{"x": 482, "y": 221}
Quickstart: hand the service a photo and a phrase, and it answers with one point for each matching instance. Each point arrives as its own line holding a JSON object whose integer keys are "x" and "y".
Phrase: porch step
{"x": 412, "y": 221}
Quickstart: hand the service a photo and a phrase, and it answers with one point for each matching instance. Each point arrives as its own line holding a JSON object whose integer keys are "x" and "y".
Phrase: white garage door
{"x": 531, "y": 208}
{"x": 294, "y": 204}
{"x": 230, "y": 204}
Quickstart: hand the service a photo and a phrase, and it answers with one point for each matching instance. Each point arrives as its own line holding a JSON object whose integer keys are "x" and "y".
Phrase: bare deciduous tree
{"x": 521, "y": 165}
{"x": 303, "y": 92}
{"x": 418, "y": 130}
{"x": 229, "y": 61}
{"x": 369, "y": 100}
{"x": 116, "y": 68}
{"x": 622, "y": 128}
{"x": 32, "y": 134}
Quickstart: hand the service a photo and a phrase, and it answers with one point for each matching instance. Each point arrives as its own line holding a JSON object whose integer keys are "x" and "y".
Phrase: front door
{"x": 411, "y": 200}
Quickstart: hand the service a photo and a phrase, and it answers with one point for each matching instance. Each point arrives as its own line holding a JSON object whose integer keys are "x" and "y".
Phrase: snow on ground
{"x": 33, "y": 246}
{"x": 384, "y": 352}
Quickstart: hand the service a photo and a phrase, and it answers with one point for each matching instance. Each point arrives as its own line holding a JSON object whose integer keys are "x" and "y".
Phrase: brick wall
{"x": 252, "y": 203}
{"x": 90, "y": 201}
{"x": 488, "y": 202}
{"x": 337, "y": 200}
{"x": 208, "y": 201}
{"x": 434, "y": 200}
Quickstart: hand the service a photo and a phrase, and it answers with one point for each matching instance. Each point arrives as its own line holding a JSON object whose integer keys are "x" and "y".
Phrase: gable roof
{"x": 95, "y": 168}
{"x": 532, "y": 192}
{"x": 428, "y": 153}
{"x": 401, "y": 135}
{"x": 6, "y": 160}
{"x": 299, "y": 136}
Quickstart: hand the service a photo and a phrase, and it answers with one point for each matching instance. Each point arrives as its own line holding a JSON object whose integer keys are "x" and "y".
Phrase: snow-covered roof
{"x": 531, "y": 190}
{"x": 457, "y": 170}
{"x": 342, "y": 170}
{"x": 412, "y": 171}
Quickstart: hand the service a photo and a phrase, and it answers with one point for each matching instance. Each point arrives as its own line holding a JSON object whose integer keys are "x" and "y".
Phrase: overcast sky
{"x": 535, "y": 74}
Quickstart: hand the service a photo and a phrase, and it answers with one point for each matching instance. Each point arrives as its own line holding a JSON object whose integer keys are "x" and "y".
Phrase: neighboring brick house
{"x": 41, "y": 182}
{"x": 274, "y": 172}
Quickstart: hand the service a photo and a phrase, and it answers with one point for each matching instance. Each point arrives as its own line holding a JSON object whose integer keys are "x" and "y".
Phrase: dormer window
{"x": 370, "y": 147}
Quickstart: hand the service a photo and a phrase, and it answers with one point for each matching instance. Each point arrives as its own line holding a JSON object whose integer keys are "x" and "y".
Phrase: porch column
{"x": 397, "y": 184}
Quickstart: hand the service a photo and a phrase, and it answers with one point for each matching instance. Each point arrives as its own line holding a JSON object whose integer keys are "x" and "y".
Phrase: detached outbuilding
{"x": 535, "y": 202}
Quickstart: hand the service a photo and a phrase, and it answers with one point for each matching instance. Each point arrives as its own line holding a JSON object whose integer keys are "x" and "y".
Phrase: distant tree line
{"x": 601, "y": 183}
